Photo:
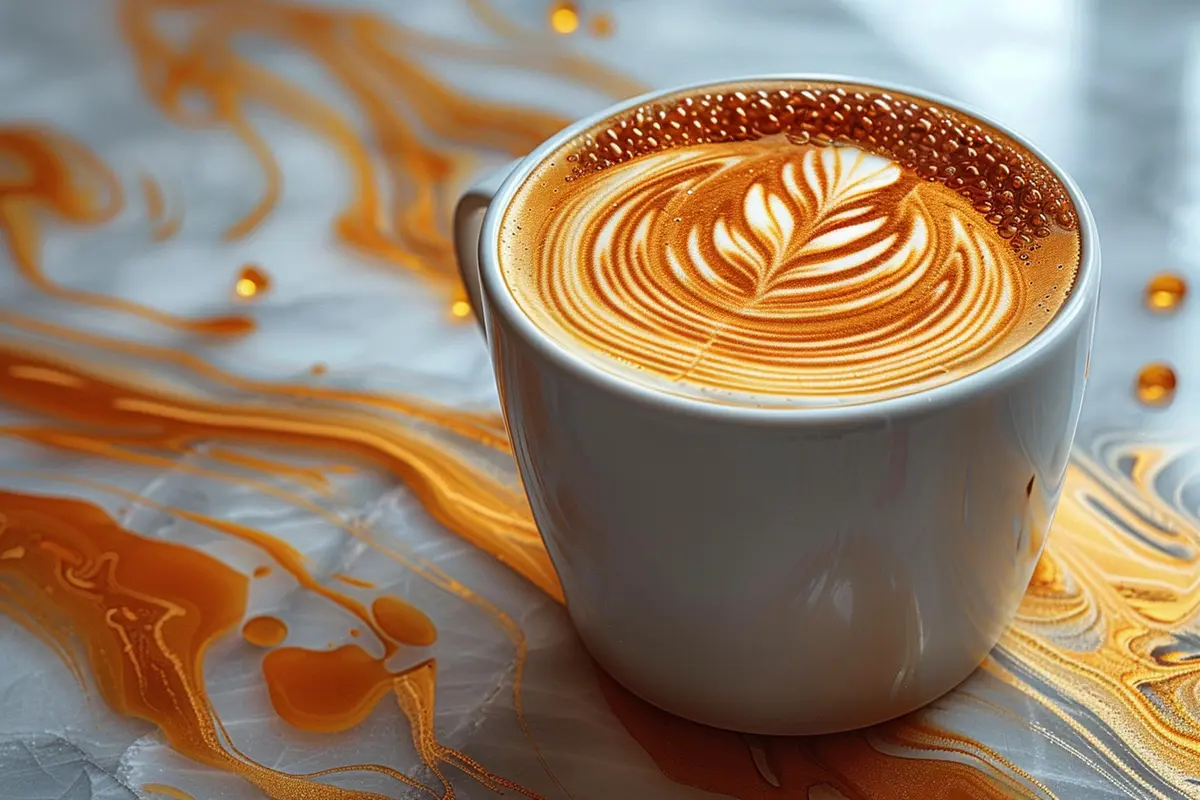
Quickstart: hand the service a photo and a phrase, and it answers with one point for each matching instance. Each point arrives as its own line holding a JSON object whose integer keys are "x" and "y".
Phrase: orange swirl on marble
{"x": 427, "y": 131}
{"x": 1147, "y": 604}
{"x": 144, "y": 612}
{"x": 166, "y": 791}
{"x": 769, "y": 268}
{"x": 44, "y": 172}
{"x": 1109, "y": 623}
{"x": 193, "y": 67}
{"x": 842, "y": 766}
{"x": 163, "y": 226}
{"x": 460, "y": 495}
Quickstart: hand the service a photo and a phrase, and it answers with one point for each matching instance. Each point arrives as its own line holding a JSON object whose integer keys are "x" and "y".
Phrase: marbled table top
{"x": 1092, "y": 694}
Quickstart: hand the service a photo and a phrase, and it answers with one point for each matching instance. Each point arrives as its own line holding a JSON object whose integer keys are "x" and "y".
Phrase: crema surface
{"x": 781, "y": 269}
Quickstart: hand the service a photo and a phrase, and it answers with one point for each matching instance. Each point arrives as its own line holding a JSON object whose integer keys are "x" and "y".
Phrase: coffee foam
{"x": 776, "y": 264}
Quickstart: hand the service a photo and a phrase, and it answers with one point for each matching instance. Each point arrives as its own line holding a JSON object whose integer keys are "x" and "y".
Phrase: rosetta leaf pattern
{"x": 819, "y": 214}
{"x": 806, "y": 271}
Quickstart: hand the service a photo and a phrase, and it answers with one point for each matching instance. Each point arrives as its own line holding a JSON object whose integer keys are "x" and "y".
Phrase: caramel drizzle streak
{"x": 1109, "y": 619}
{"x": 375, "y": 64}
{"x": 167, "y": 791}
{"x": 314, "y": 690}
{"x": 523, "y": 551}
{"x": 46, "y": 172}
{"x": 131, "y": 446}
{"x": 162, "y": 227}
{"x": 349, "y": 710}
{"x": 485, "y": 428}
{"x": 475, "y": 505}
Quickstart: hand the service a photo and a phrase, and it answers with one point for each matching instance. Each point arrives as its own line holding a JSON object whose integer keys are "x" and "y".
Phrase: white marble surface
{"x": 1110, "y": 88}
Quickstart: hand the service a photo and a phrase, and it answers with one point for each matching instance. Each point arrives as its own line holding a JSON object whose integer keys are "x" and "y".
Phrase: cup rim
{"x": 497, "y": 298}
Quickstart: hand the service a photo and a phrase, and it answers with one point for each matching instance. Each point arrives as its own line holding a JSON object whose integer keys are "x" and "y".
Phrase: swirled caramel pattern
{"x": 772, "y": 268}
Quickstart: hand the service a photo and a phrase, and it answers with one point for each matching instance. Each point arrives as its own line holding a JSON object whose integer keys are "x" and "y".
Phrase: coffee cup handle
{"x": 468, "y": 223}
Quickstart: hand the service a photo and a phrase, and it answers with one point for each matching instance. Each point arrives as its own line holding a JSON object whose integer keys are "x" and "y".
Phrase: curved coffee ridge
{"x": 782, "y": 243}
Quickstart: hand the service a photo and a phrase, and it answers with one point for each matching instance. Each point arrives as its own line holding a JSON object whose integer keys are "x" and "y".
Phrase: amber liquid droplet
{"x": 262, "y": 572}
{"x": 325, "y": 691}
{"x": 404, "y": 622}
{"x": 1156, "y": 385}
{"x": 319, "y": 368}
{"x": 251, "y": 282}
{"x": 564, "y": 17}
{"x": 1165, "y": 292}
{"x": 602, "y": 26}
{"x": 264, "y": 631}
{"x": 460, "y": 308}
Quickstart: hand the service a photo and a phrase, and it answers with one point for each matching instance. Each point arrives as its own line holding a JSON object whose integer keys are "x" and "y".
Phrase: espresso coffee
{"x": 777, "y": 243}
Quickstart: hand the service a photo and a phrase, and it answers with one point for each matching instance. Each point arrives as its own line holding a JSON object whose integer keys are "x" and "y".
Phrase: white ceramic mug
{"x": 784, "y": 571}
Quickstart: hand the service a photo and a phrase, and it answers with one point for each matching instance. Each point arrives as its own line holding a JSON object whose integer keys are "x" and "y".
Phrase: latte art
{"x": 774, "y": 271}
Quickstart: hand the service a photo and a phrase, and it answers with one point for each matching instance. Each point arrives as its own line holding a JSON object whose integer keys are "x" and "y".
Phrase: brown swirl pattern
{"x": 768, "y": 268}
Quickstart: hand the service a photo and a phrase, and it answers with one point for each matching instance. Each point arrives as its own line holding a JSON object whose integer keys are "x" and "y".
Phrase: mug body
{"x": 789, "y": 571}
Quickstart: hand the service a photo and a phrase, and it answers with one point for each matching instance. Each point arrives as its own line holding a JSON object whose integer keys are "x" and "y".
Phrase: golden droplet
{"x": 1156, "y": 385}
{"x": 264, "y": 631}
{"x": 251, "y": 282}
{"x": 460, "y": 308}
{"x": 403, "y": 621}
{"x": 319, "y": 368}
{"x": 1165, "y": 292}
{"x": 564, "y": 17}
{"x": 602, "y": 26}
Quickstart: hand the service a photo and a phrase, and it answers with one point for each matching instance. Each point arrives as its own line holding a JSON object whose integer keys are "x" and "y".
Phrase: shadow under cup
{"x": 783, "y": 569}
